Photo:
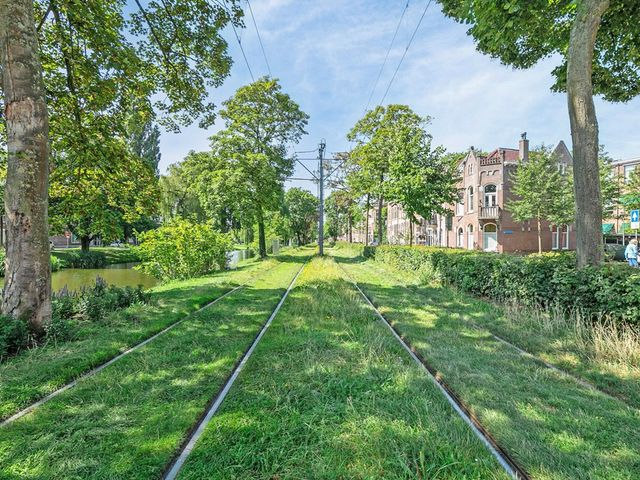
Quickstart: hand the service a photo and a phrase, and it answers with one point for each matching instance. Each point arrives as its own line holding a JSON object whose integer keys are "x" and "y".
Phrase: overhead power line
{"x": 405, "y": 51}
{"x": 386, "y": 57}
{"x": 264, "y": 53}
{"x": 235, "y": 31}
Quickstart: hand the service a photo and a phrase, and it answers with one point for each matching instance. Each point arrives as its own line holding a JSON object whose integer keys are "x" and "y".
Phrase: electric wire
{"x": 235, "y": 31}
{"x": 405, "y": 52}
{"x": 386, "y": 57}
{"x": 264, "y": 53}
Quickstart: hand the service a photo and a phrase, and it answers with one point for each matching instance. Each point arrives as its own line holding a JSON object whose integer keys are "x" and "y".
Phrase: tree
{"x": 97, "y": 65}
{"x": 596, "y": 41}
{"x": 421, "y": 178}
{"x": 144, "y": 140}
{"x": 260, "y": 120}
{"x": 340, "y": 210}
{"x": 27, "y": 289}
{"x": 542, "y": 192}
{"x": 302, "y": 210}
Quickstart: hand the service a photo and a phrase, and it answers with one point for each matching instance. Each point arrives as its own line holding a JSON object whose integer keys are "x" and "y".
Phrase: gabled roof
{"x": 510, "y": 154}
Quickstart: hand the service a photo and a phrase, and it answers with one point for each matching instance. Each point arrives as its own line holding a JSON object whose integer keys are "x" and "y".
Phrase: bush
{"x": 94, "y": 303}
{"x": 14, "y": 336}
{"x": 183, "y": 250}
{"x": 56, "y": 264}
{"x": 548, "y": 280}
{"x": 89, "y": 259}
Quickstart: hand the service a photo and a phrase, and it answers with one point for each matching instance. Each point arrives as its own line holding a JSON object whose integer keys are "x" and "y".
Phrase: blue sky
{"x": 327, "y": 55}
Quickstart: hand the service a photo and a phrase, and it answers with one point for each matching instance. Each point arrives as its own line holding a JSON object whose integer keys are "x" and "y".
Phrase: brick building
{"x": 619, "y": 223}
{"x": 481, "y": 219}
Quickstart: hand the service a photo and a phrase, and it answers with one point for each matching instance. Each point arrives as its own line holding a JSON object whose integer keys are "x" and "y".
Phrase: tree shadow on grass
{"x": 555, "y": 427}
{"x": 127, "y": 421}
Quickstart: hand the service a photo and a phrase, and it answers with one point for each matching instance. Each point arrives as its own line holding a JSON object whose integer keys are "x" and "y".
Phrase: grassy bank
{"x": 113, "y": 255}
{"x": 554, "y": 427}
{"x": 329, "y": 393}
{"x": 605, "y": 354}
{"x": 127, "y": 421}
{"x": 35, "y": 373}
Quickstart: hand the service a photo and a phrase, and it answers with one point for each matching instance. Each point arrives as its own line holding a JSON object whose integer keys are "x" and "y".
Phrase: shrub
{"x": 94, "y": 303}
{"x": 183, "y": 250}
{"x": 548, "y": 280}
{"x": 89, "y": 259}
{"x": 14, "y": 336}
{"x": 56, "y": 264}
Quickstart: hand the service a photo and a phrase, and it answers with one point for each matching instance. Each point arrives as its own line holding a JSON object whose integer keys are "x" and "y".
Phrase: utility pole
{"x": 321, "y": 148}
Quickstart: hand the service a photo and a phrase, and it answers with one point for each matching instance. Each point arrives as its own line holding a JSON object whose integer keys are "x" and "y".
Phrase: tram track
{"x": 90, "y": 373}
{"x": 506, "y": 461}
{"x": 185, "y": 449}
{"x": 580, "y": 381}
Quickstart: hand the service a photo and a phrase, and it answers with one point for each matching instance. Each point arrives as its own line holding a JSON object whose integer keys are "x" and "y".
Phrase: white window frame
{"x": 470, "y": 194}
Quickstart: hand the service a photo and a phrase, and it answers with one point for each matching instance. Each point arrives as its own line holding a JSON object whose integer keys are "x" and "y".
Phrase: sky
{"x": 327, "y": 55}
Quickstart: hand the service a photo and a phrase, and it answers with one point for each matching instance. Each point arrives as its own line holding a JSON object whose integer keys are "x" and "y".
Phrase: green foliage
{"x": 94, "y": 303}
{"x": 182, "y": 249}
{"x": 14, "y": 336}
{"x": 542, "y": 192}
{"x": 521, "y": 33}
{"x": 548, "y": 280}
{"x": 393, "y": 159}
{"x": 302, "y": 213}
{"x": 80, "y": 259}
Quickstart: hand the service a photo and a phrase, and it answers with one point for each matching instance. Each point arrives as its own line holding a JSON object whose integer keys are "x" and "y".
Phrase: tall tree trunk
{"x": 380, "y": 203}
{"x": 366, "y": 223}
{"x": 85, "y": 243}
{"x": 349, "y": 229}
{"x": 584, "y": 131}
{"x": 410, "y": 233}
{"x": 27, "y": 289}
{"x": 262, "y": 242}
{"x": 539, "y": 236}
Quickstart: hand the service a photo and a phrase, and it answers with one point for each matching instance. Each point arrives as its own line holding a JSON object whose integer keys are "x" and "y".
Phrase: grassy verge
{"x": 329, "y": 393}
{"x": 605, "y": 354}
{"x": 35, "y": 373}
{"x": 554, "y": 427}
{"x": 127, "y": 421}
{"x": 113, "y": 254}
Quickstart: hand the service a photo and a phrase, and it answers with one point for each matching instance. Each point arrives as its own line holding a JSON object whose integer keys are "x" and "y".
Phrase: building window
{"x": 560, "y": 237}
{"x": 460, "y": 241}
{"x": 470, "y": 199}
{"x": 490, "y": 196}
{"x": 628, "y": 170}
{"x": 490, "y": 237}
{"x": 470, "y": 237}
{"x": 470, "y": 169}
{"x": 460, "y": 204}
{"x": 562, "y": 168}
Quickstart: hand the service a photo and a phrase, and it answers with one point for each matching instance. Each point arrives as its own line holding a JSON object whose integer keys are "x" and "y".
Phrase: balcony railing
{"x": 489, "y": 213}
{"x": 490, "y": 161}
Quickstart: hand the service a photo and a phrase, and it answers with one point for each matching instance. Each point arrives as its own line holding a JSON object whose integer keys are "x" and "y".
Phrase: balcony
{"x": 490, "y": 161}
{"x": 489, "y": 213}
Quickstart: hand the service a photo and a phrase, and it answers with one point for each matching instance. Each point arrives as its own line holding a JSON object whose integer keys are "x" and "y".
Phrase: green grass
{"x": 127, "y": 421}
{"x": 605, "y": 355}
{"x": 38, "y": 372}
{"x": 554, "y": 427}
{"x": 113, "y": 254}
{"x": 330, "y": 394}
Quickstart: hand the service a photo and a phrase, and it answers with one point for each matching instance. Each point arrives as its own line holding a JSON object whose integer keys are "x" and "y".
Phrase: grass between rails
{"x": 554, "y": 427}
{"x": 606, "y": 355}
{"x": 127, "y": 421}
{"x": 329, "y": 393}
{"x": 35, "y": 373}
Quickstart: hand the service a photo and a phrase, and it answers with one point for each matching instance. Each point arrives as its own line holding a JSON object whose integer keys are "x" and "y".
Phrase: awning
{"x": 607, "y": 228}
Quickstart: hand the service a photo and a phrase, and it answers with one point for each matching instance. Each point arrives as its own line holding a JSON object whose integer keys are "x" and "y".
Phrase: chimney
{"x": 524, "y": 148}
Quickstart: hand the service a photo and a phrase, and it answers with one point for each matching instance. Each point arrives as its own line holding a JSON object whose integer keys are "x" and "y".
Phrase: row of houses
{"x": 481, "y": 220}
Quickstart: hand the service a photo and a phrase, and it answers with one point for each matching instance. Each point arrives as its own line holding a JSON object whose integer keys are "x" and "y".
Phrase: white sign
{"x": 635, "y": 219}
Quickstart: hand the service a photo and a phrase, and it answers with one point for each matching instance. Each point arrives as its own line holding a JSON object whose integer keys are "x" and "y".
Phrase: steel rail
{"x": 524, "y": 353}
{"x": 173, "y": 469}
{"x": 505, "y": 460}
{"x": 111, "y": 361}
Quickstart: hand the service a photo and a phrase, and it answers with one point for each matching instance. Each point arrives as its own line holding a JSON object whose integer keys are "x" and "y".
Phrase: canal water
{"x": 121, "y": 275}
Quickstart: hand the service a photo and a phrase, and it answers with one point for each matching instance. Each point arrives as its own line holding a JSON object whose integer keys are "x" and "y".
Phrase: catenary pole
{"x": 321, "y": 148}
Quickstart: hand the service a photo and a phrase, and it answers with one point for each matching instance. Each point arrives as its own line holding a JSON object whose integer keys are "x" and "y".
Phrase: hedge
{"x": 540, "y": 280}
